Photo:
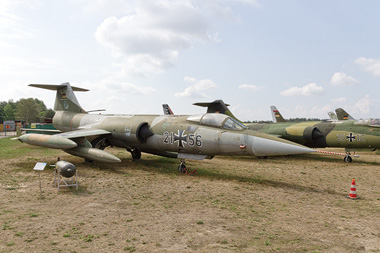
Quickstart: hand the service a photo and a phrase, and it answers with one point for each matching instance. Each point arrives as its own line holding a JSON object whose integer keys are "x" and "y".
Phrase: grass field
{"x": 242, "y": 204}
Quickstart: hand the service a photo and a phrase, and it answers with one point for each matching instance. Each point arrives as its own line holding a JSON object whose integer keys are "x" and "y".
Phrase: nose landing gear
{"x": 183, "y": 169}
{"x": 348, "y": 157}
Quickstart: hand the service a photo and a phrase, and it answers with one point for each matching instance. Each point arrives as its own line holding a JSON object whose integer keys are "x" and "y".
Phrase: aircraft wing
{"x": 83, "y": 133}
{"x": 40, "y": 130}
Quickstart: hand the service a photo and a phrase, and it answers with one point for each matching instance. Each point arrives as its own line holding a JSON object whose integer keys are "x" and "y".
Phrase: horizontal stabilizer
{"x": 65, "y": 99}
{"x": 56, "y": 87}
{"x": 207, "y": 104}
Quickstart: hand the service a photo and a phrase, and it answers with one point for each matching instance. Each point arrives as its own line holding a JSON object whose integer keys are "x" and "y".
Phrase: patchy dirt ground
{"x": 279, "y": 204}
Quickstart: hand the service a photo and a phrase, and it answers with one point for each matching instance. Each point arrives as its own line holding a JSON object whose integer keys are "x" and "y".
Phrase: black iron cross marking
{"x": 180, "y": 137}
{"x": 351, "y": 137}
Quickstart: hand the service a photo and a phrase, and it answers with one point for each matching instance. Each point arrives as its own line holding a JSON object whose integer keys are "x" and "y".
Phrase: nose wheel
{"x": 348, "y": 157}
{"x": 183, "y": 169}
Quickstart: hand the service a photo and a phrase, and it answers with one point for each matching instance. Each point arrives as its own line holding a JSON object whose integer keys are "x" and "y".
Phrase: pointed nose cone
{"x": 271, "y": 147}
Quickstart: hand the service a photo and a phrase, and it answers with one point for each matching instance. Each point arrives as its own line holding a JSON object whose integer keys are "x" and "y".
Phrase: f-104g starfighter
{"x": 185, "y": 137}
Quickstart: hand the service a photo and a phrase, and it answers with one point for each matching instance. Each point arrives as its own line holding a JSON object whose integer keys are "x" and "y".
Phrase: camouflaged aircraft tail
{"x": 218, "y": 106}
{"x": 65, "y": 99}
{"x": 276, "y": 115}
{"x": 167, "y": 110}
{"x": 343, "y": 115}
{"x": 333, "y": 116}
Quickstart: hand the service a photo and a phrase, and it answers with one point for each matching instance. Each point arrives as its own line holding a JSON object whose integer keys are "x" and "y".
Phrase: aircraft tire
{"x": 181, "y": 168}
{"x": 136, "y": 154}
{"x": 348, "y": 159}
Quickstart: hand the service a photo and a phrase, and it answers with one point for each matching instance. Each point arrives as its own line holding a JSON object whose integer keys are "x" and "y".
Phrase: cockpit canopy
{"x": 217, "y": 120}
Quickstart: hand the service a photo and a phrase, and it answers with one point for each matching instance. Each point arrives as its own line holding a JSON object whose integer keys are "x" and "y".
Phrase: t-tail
{"x": 65, "y": 99}
{"x": 276, "y": 115}
{"x": 218, "y": 106}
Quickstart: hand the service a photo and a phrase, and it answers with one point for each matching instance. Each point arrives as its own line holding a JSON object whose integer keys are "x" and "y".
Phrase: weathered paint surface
{"x": 349, "y": 134}
{"x": 195, "y": 137}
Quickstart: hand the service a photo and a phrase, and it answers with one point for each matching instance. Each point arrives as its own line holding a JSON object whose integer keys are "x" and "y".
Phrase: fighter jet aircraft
{"x": 349, "y": 134}
{"x": 185, "y": 137}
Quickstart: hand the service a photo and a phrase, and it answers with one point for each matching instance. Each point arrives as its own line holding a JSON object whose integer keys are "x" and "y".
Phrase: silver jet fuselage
{"x": 194, "y": 137}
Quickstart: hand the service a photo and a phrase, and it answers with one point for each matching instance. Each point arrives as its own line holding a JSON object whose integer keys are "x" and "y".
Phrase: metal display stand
{"x": 39, "y": 167}
{"x": 59, "y": 180}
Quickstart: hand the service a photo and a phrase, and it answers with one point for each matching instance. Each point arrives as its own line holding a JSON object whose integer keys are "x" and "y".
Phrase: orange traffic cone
{"x": 353, "y": 191}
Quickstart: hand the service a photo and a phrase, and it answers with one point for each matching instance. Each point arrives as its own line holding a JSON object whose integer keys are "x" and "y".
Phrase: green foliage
{"x": 9, "y": 112}
{"x": 26, "y": 109}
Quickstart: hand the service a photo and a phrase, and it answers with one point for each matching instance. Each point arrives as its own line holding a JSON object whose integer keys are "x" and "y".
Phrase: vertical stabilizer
{"x": 65, "y": 99}
{"x": 343, "y": 115}
{"x": 276, "y": 115}
{"x": 167, "y": 110}
{"x": 333, "y": 116}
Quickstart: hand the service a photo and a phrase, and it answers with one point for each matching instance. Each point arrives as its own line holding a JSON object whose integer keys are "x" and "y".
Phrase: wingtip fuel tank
{"x": 49, "y": 141}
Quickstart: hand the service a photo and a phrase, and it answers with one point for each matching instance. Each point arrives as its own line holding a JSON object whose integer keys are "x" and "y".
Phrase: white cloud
{"x": 249, "y": 87}
{"x": 150, "y": 39}
{"x": 369, "y": 65}
{"x": 307, "y": 90}
{"x": 341, "y": 79}
{"x": 364, "y": 105}
{"x": 107, "y": 8}
{"x": 13, "y": 26}
{"x": 338, "y": 101}
{"x": 120, "y": 88}
{"x": 197, "y": 88}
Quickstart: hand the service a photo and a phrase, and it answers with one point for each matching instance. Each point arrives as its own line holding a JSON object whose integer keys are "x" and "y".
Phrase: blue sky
{"x": 305, "y": 57}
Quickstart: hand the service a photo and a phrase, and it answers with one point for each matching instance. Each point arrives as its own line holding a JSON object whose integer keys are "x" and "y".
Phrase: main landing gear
{"x": 183, "y": 169}
{"x": 136, "y": 153}
{"x": 348, "y": 157}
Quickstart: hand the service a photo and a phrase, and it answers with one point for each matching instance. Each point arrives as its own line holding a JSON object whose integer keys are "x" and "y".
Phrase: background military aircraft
{"x": 185, "y": 137}
{"x": 333, "y": 116}
{"x": 343, "y": 115}
{"x": 349, "y": 134}
{"x": 167, "y": 110}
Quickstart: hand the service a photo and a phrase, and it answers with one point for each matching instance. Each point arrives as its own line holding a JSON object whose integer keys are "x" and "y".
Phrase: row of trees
{"x": 26, "y": 109}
